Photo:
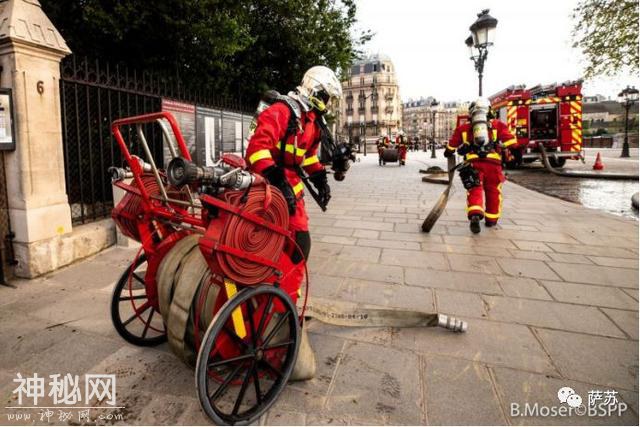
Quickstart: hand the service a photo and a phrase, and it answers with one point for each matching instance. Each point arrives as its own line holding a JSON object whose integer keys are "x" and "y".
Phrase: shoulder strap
{"x": 292, "y": 126}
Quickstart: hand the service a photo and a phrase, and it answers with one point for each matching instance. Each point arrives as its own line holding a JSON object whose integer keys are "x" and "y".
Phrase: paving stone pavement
{"x": 551, "y": 297}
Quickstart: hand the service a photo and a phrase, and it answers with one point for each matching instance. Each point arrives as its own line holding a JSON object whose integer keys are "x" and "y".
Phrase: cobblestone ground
{"x": 551, "y": 298}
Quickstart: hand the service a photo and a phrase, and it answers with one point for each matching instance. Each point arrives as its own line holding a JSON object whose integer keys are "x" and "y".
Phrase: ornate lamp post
{"x": 482, "y": 36}
{"x": 424, "y": 127}
{"x": 373, "y": 92}
{"x": 627, "y": 98}
{"x": 434, "y": 104}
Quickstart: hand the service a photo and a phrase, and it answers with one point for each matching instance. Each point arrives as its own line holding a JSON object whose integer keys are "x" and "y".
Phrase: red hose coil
{"x": 127, "y": 213}
{"x": 252, "y": 238}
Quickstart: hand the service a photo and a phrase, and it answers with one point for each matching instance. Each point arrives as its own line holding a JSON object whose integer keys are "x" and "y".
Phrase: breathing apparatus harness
{"x": 338, "y": 155}
{"x": 482, "y": 143}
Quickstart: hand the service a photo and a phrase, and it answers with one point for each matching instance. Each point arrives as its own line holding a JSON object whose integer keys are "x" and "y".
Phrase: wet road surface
{"x": 607, "y": 195}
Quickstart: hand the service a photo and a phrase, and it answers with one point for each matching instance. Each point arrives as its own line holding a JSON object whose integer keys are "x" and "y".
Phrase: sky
{"x": 425, "y": 40}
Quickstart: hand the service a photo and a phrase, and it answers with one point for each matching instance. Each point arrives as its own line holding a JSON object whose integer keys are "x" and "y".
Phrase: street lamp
{"x": 434, "y": 104}
{"x": 627, "y": 98}
{"x": 373, "y": 91}
{"x": 482, "y": 36}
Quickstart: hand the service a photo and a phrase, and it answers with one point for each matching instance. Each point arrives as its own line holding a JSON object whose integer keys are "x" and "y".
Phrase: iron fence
{"x": 93, "y": 95}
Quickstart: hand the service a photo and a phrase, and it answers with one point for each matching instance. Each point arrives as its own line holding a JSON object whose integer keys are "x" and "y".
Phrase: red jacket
{"x": 264, "y": 147}
{"x": 401, "y": 141}
{"x": 463, "y": 135}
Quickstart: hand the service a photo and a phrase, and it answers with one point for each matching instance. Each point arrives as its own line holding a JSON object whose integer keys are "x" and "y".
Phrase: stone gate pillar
{"x": 30, "y": 53}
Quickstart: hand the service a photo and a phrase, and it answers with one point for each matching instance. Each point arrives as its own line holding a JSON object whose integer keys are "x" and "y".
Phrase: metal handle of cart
{"x": 175, "y": 143}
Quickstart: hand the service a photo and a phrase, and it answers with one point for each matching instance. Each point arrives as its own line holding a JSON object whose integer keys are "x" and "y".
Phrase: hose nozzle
{"x": 451, "y": 323}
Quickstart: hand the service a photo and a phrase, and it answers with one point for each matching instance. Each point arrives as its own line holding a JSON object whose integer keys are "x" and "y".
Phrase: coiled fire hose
{"x": 250, "y": 238}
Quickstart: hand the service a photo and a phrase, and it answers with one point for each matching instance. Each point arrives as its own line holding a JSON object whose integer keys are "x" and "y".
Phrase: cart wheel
{"x": 134, "y": 317}
{"x": 238, "y": 379}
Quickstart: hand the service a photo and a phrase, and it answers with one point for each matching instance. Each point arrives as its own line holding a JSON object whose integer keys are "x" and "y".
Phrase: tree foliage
{"x": 237, "y": 48}
{"x": 607, "y": 33}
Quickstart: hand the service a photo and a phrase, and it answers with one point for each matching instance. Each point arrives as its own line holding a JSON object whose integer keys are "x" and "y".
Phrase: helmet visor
{"x": 323, "y": 101}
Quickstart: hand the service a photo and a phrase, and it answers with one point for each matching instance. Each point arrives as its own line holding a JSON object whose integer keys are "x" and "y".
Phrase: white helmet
{"x": 320, "y": 86}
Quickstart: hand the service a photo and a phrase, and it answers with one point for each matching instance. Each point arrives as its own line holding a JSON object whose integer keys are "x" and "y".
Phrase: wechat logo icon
{"x": 570, "y": 397}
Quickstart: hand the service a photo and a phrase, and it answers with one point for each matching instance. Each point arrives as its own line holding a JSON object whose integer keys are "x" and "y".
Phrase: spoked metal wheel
{"x": 238, "y": 377}
{"x": 132, "y": 313}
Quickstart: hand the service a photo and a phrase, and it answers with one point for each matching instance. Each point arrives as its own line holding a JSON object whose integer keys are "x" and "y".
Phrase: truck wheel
{"x": 514, "y": 164}
{"x": 557, "y": 162}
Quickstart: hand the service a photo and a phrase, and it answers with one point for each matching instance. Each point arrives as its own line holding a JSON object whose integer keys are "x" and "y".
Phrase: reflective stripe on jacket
{"x": 463, "y": 135}
{"x": 300, "y": 149}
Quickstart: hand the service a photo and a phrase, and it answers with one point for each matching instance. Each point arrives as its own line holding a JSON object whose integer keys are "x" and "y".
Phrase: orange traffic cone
{"x": 598, "y": 165}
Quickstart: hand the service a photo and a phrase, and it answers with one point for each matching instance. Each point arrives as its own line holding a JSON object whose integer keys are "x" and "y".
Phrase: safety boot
{"x": 474, "y": 224}
{"x": 305, "y": 367}
{"x": 489, "y": 224}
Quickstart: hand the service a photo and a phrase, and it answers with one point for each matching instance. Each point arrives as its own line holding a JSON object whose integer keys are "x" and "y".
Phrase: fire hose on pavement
{"x": 183, "y": 276}
{"x": 582, "y": 174}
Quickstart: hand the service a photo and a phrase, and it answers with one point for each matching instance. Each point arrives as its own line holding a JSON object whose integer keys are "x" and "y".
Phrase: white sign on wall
{"x": 209, "y": 140}
{"x": 238, "y": 136}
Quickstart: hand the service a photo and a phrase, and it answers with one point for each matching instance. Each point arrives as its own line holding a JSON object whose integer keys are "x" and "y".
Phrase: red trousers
{"x": 491, "y": 179}
{"x": 402, "y": 151}
{"x": 299, "y": 221}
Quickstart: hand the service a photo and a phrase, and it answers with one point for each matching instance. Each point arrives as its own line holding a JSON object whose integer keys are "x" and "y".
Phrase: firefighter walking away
{"x": 482, "y": 143}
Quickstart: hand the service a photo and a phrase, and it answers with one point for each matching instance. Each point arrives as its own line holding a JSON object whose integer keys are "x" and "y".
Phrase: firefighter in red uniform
{"x": 287, "y": 137}
{"x": 288, "y": 132}
{"x": 401, "y": 144}
{"x": 482, "y": 143}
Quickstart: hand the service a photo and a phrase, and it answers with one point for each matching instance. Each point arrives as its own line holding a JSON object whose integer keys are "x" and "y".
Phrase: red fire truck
{"x": 550, "y": 115}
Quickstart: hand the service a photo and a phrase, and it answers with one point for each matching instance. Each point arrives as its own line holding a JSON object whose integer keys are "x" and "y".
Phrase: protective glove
{"x": 275, "y": 176}
{"x": 464, "y": 149}
{"x": 448, "y": 153}
{"x": 319, "y": 180}
{"x": 507, "y": 155}
{"x": 469, "y": 177}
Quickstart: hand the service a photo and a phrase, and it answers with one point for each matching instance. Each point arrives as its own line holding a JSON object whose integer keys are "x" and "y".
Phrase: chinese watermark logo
{"x": 599, "y": 404}
{"x": 67, "y": 393}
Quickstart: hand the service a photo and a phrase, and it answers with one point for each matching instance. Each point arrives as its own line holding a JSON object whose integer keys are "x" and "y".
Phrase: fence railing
{"x": 93, "y": 94}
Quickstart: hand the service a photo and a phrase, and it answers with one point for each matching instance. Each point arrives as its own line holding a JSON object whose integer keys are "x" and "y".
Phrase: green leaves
{"x": 607, "y": 33}
{"x": 237, "y": 48}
